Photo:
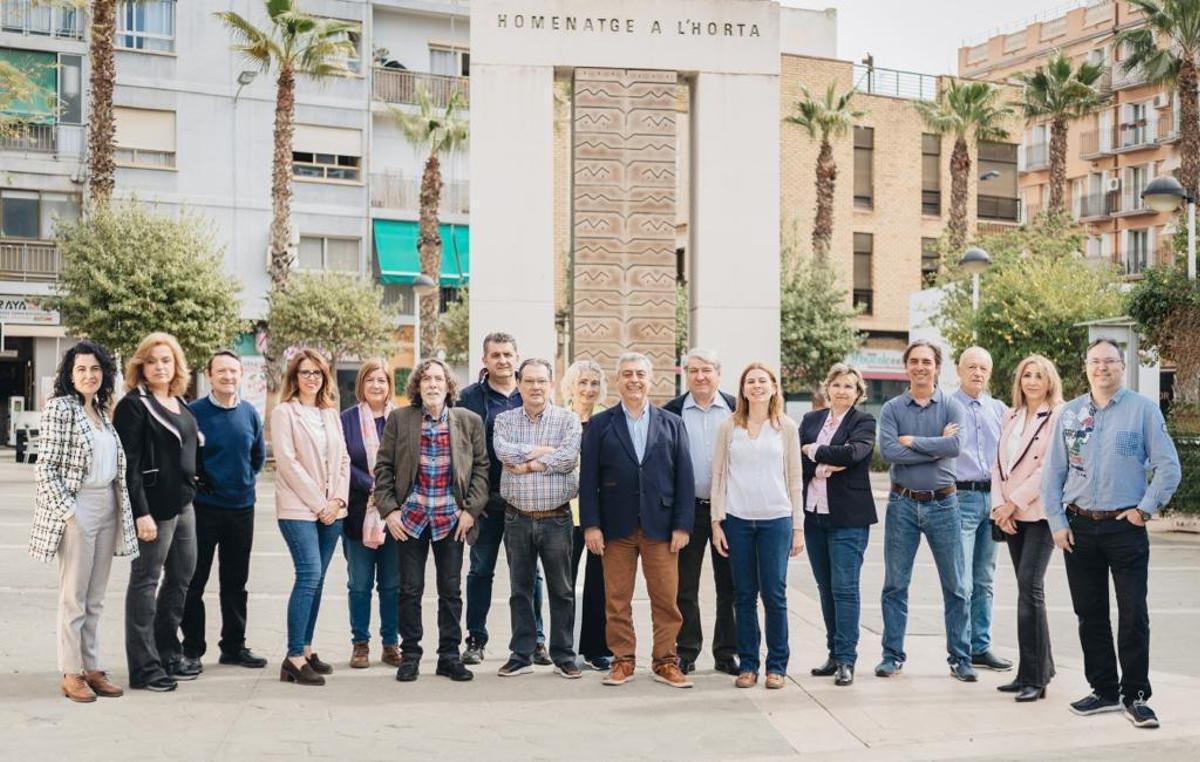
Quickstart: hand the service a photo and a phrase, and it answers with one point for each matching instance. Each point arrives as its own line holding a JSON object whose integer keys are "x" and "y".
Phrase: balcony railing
{"x": 60, "y": 139}
{"x": 28, "y": 260}
{"x": 1122, "y": 79}
{"x": 999, "y": 208}
{"x": 1097, "y": 205}
{"x": 402, "y": 86}
{"x": 41, "y": 19}
{"x": 403, "y": 192}
{"x": 1129, "y": 203}
{"x": 1168, "y": 130}
{"x": 896, "y": 83}
{"x": 1097, "y": 142}
{"x": 1037, "y": 156}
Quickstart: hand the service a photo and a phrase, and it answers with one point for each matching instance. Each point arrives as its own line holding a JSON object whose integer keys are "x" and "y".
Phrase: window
{"x": 1138, "y": 251}
{"x": 931, "y": 261}
{"x": 449, "y": 60}
{"x": 1099, "y": 248}
{"x": 864, "y": 296}
{"x": 354, "y": 60}
{"x": 332, "y": 254}
{"x": 1132, "y": 184}
{"x": 998, "y": 198}
{"x": 1136, "y": 129}
{"x": 864, "y": 183}
{"x": 70, "y": 97}
{"x": 931, "y": 174}
{"x": 329, "y": 154}
{"x": 146, "y": 25}
{"x": 145, "y": 138}
{"x": 30, "y": 214}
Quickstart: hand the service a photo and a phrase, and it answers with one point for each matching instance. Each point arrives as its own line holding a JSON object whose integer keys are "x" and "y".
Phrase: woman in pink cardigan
{"x": 312, "y": 485}
{"x": 1017, "y": 511}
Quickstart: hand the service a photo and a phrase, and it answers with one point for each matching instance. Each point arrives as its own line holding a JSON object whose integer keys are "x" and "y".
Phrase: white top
{"x": 312, "y": 416}
{"x": 1012, "y": 447}
{"x": 757, "y": 481}
{"x": 104, "y": 457}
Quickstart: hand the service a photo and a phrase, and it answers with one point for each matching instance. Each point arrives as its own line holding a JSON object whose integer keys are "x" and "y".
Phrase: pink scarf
{"x": 370, "y": 437}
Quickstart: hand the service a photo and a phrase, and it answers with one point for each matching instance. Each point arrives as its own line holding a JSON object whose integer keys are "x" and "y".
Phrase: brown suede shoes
{"x": 774, "y": 680}
{"x": 391, "y": 655}
{"x": 98, "y": 681}
{"x": 75, "y": 687}
{"x": 746, "y": 680}
{"x": 670, "y": 674}
{"x": 361, "y": 657}
{"x": 622, "y": 672}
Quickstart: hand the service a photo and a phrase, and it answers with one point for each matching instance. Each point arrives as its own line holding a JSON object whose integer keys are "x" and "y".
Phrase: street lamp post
{"x": 1166, "y": 194}
{"x": 974, "y": 261}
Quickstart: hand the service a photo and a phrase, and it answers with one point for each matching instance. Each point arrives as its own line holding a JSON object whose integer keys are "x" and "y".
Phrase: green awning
{"x": 36, "y": 98}
{"x": 400, "y": 262}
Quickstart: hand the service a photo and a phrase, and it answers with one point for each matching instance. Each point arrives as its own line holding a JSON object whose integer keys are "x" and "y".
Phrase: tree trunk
{"x": 822, "y": 234}
{"x": 101, "y": 129}
{"x": 281, "y": 178}
{"x": 1189, "y": 127}
{"x": 960, "y": 173}
{"x": 430, "y": 246}
{"x": 1058, "y": 163}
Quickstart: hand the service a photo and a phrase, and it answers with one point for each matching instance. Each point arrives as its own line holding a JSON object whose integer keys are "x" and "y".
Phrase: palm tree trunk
{"x": 822, "y": 234}
{"x": 430, "y": 246}
{"x": 1189, "y": 127}
{"x": 960, "y": 173}
{"x": 281, "y": 177}
{"x": 1058, "y": 163}
{"x": 101, "y": 129}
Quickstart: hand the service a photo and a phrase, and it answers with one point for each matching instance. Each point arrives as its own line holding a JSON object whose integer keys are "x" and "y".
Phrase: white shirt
{"x": 1012, "y": 447}
{"x": 316, "y": 422}
{"x": 104, "y": 457}
{"x": 757, "y": 476}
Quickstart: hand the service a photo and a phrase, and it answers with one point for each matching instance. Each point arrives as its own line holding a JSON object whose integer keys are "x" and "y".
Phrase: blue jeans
{"x": 938, "y": 520}
{"x": 373, "y": 566}
{"x": 979, "y": 564}
{"x": 758, "y": 558}
{"x": 526, "y": 541}
{"x": 484, "y": 553}
{"x": 311, "y": 544}
{"x": 836, "y": 556}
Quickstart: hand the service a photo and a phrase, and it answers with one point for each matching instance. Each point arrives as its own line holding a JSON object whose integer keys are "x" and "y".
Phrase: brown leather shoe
{"x": 670, "y": 674}
{"x": 361, "y": 657}
{"x": 75, "y": 687}
{"x": 774, "y": 680}
{"x": 746, "y": 680}
{"x": 391, "y": 656}
{"x": 98, "y": 681}
{"x": 621, "y": 673}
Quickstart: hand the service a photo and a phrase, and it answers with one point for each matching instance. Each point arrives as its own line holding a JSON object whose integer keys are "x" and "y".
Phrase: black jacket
{"x": 851, "y": 503}
{"x": 161, "y": 468}
{"x": 676, "y": 405}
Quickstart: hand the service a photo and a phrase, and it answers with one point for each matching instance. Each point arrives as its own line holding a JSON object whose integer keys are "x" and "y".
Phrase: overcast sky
{"x": 921, "y": 35}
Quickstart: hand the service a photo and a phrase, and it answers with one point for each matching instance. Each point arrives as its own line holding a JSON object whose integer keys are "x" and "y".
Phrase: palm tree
{"x": 433, "y": 134}
{"x": 968, "y": 111}
{"x": 823, "y": 119}
{"x": 295, "y": 44}
{"x": 1063, "y": 93}
{"x": 1176, "y": 22}
{"x": 101, "y": 127}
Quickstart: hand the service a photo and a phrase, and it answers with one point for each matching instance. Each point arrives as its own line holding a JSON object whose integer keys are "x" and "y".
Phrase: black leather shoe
{"x": 161, "y": 684}
{"x": 1014, "y": 687}
{"x": 184, "y": 668}
{"x": 409, "y": 670}
{"x": 989, "y": 660}
{"x": 541, "y": 656}
{"x": 455, "y": 670}
{"x": 825, "y": 670}
{"x": 306, "y": 675}
{"x": 844, "y": 675}
{"x": 1031, "y": 693}
{"x": 729, "y": 667}
{"x": 320, "y": 667}
{"x": 686, "y": 666}
{"x": 244, "y": 658}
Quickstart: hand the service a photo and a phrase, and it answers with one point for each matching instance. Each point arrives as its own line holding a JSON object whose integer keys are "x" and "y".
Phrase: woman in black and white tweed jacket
{"x": 82, "y": 514}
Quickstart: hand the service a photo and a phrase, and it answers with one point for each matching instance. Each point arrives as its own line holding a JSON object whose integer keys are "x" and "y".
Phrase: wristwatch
{"x": 1145, "y": 516}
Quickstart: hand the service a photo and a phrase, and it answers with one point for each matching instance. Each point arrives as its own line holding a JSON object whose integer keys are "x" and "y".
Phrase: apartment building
{"x": 1111, "y": 154}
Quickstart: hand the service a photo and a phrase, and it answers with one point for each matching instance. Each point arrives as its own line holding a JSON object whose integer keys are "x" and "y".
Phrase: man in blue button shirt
{"x": 1097, "y": 503}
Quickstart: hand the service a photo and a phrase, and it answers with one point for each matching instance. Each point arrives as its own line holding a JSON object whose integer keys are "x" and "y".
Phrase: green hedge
{"x": 1187, "y": 497}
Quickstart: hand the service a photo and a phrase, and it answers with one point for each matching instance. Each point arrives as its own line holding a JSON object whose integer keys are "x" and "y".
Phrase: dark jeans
{"x": 691, "y": 560}
{"x": 311, "y": 545}
{"x": 379, "y": 567}
{"x": 1122, "y": 550}
{"x": 836, "y": 556}
{"x": 447, "y": 561}
{"x": 232, "y": 529}
{"x": 592, "y": 640}
{"x": 526, "y": 541}
{"x": 1030, "y": 549}
{"x": 484, "y": 553}
{"x": 153, "y": 613}
{"x": 758, "y": 558}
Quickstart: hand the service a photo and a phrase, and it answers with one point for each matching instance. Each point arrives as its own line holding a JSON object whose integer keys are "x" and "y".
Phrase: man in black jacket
{"x": 702, "y": 409}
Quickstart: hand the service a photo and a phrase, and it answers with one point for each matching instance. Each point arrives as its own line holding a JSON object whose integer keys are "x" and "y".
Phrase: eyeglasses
{"x": 1106, "y": 363}
{"x": 309, "y": 373}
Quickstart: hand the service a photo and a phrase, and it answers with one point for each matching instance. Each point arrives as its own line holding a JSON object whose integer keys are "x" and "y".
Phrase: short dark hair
{"x": 937, "y": 351}
{"x": 221, "y": 353}
{"x": 1105, "y": 340}
{"x": 535, "y": 361}
{"x": 412, "y": 389}
{"x": 499, "y": 337}
{"x": 64, "y": 386}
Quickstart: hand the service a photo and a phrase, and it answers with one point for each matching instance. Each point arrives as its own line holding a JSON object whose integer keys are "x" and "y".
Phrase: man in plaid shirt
{"x": 538, "y": 444}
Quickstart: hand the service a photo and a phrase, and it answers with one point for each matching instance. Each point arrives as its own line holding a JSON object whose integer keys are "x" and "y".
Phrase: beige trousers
{"x": 85, "y": 557}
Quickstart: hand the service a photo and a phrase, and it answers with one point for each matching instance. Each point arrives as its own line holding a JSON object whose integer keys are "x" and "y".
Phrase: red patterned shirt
{"x": 431, "y": 501}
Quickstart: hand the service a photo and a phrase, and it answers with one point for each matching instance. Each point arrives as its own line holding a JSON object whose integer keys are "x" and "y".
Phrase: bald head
{"x": 974, "y": 370}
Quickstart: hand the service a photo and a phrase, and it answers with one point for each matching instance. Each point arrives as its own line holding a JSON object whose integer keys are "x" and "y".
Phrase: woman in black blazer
{"x": 838, "y": 510}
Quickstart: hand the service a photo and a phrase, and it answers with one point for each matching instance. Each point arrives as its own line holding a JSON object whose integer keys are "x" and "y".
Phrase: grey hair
{"x": 975, "y": 348}
{"x": 499, "y": 337}
{"x": 635, "y": 357}
{"x": 535, "y": 361}
{"x": 707, "y": 356}
{"x": 571, "y": 376}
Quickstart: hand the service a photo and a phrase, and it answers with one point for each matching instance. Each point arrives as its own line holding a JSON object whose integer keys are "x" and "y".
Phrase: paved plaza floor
{"x": 233, "y": 713}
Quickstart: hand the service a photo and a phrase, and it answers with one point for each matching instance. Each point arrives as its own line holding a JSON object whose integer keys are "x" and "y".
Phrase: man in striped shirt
{"x": 538, "y": 444}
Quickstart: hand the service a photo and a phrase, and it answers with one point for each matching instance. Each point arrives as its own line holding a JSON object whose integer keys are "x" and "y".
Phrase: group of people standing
{"x": 500, "y": 464}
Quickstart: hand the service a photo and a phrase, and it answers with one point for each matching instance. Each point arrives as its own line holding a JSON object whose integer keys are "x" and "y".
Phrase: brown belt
{"x": 1084, "y": 513}
{"x": 924, "y": 495}
{"x": 553, "y": 513}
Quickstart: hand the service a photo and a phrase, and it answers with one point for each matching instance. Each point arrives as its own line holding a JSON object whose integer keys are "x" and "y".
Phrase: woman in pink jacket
{"x": 1017, "y": 511}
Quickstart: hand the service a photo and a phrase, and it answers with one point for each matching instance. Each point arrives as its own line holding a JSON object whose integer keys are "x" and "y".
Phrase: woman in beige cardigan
{"x": 757, "y": 507}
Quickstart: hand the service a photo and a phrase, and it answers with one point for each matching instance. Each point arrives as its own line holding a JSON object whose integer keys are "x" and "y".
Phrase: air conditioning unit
{"x": 1114, "y": 184}
{"x": 1162, "y": 100}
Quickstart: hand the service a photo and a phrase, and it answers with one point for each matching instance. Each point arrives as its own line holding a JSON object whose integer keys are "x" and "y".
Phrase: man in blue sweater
{"x": 232, "y": 454}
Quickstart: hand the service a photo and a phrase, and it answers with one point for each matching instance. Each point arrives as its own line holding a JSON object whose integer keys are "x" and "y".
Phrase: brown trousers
{"x": 661, "y": 568}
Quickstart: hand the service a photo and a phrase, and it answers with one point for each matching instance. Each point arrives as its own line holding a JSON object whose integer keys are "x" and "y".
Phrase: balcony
{"x": 402, "y": 86}
{"x": 56, "y": 139}
{"x": 28, "y": 260}
{"x": 1037, "y": 156}
{"x": 1094, "y": 206}
{"x": 403, "y": 193}
{"x": 1168, "y": 128}
{"x": 1129, "y": 203}
{"x": 1123, "y": 80}
{"x": 40, "y": 19}
{"x": 998, "y": 209}
{"x": 1096, "y": 143}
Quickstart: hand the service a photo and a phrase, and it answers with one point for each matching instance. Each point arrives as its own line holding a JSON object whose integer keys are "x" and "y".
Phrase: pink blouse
{"x": 818, "y": 501}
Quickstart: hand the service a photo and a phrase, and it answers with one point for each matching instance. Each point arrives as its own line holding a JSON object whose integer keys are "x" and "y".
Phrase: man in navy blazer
{"x": 637, "y": 498}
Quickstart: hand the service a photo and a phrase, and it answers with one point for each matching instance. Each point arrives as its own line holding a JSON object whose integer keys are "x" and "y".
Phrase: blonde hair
{"x": 326, "y": 395}
{"x": 133, "y": 369}
{"x": 844, "y": 369}
{"x": 369, "y": 367}
{"x": 1054, "y": 387}
{"x": 571, "y": 377}
{"x": 741, "y": 414}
